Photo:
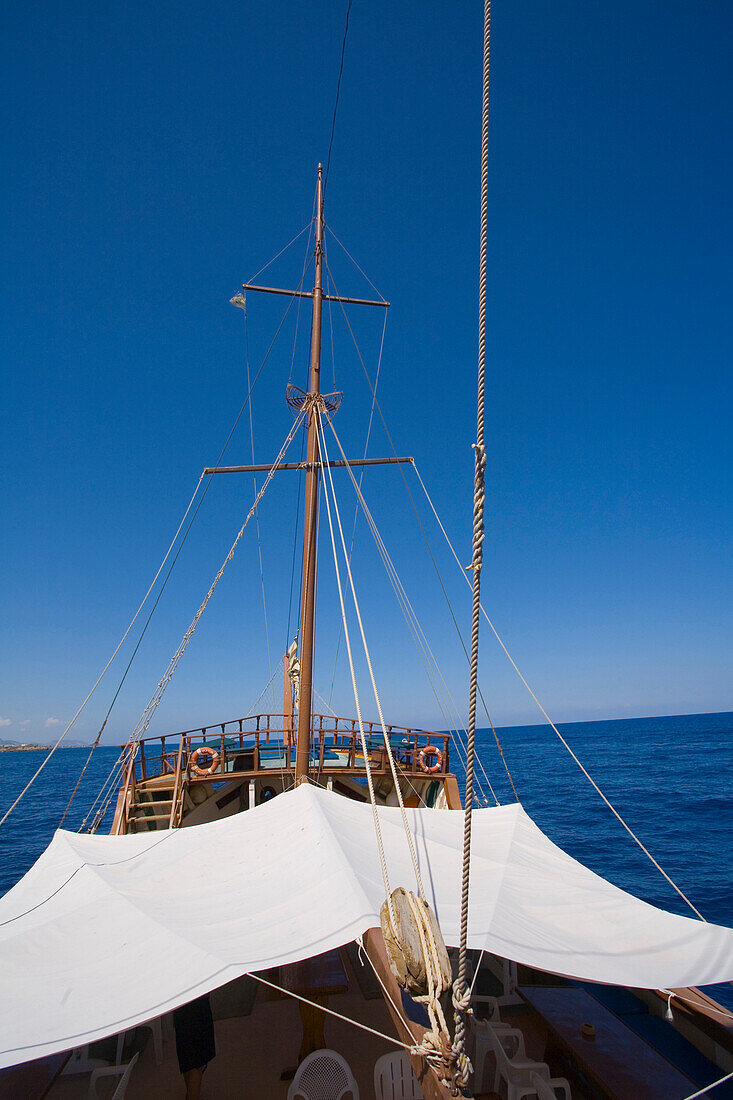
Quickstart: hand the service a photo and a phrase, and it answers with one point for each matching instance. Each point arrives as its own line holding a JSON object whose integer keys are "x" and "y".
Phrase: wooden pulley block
{"x": 404, "y": 944}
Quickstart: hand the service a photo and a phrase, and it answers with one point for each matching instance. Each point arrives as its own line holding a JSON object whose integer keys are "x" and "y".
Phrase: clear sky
{"x": 157, "y": 155}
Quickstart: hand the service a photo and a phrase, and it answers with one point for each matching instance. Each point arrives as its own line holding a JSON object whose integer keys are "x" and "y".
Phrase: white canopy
{"x": 106, "y": 932}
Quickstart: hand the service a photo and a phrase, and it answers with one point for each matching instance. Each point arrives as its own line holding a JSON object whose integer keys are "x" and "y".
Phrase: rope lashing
{"x": 419, "y": 961}
{"x": 461, "y": 994}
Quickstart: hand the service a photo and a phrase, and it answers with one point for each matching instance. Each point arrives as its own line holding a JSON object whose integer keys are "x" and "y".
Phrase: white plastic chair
{"x": 158, "y": 1028}
{"x": 323, "y": 1075}
{"x": 547, "y": 1090}
{"x": 484, "y": 1032}
{"x": 123, "y": 1072}
{"x": 394, "y": 1079}
{"x": 515, "y": 1070}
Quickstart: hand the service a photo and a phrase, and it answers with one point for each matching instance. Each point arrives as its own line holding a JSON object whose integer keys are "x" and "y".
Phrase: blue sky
{"x": 157, "y": 155}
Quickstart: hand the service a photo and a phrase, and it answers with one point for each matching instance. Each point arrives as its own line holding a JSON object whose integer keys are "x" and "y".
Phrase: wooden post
{"x": 302, "y": 757}
{"x": 288, "y": 701}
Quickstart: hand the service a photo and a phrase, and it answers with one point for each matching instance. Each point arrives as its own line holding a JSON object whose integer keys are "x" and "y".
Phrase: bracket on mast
{"x": 328, "y": 403}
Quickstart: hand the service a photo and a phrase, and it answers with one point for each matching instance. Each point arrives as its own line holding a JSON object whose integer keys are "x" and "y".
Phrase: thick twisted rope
{"x": 461, "y": 995}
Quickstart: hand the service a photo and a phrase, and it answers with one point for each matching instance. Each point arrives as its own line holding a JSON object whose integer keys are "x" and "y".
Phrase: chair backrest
{"x": 547, "y": 1090}
{"x": 323, "y": 1075}
{"x": 394, "y": 1079}
{"x": 507, "y": 1044}
{"x": 121, "y": 1089}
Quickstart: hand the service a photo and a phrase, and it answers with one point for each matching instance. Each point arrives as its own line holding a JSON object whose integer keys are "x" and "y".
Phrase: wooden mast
{"x": 307, "y": 621}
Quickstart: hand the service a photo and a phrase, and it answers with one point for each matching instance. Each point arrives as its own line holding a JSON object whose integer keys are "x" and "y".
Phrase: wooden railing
{"x": 264, "y": 743}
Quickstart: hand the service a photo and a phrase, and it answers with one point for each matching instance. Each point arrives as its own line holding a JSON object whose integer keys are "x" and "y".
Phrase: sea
{"x": 668, "y": 777}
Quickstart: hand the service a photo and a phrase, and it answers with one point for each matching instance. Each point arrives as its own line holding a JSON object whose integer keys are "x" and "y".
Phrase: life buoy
{"x": 430, "y": 750}
{"x": 211, "y": 754}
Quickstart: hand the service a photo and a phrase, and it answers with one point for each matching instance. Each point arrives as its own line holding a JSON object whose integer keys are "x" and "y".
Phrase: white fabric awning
{"x": 106, "y": 932}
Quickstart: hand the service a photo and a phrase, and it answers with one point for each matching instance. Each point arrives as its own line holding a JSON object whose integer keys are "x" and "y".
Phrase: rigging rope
{"x": 706, "y": 1090}
{"x": 367, "y": 761}
{"x": 434, "y": 970}
{"x": 361, "y": 475}
{"x": 354, "y": 262}
{"x": 419, "y": 522}
{"x": 338, "y": 93}
{"x": 367, "y": 655}
{"x": 102, "y": 673}
{"x": 461, "y": 998}
{"x": 308, "y": 225}
{"x": 421, "y": 643}
{"x": 331, "y": 1012}
{"x": 222, "y": 452}
{"x": 254, "y": 484}
{"x": 552, "y": 725}
{"x": 128, "y": 754}
{"x": 152, "y": 706}
{"x": 481, "y": 695}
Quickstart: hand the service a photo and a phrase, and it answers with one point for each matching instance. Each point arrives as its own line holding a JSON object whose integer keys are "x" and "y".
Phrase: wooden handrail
{"x": 327, "y": 722}
{"x": 271, "y": 729}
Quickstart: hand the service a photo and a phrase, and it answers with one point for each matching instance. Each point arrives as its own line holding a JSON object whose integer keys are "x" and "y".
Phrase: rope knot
{"x": 461, "y": 999}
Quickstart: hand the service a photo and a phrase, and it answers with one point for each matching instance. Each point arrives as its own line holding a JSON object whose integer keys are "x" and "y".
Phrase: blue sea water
{"x": 668, "y": 777}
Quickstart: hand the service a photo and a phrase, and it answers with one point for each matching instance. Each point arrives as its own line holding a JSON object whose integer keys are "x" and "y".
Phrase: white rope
{"x": 584, "y": 770}
{"x": 152, "y": 706}
{"x": 330, "y": 1012}
{"x": 326, "y": 705}
{"x": 706, "y": 1090}
{"x": 387, "y": 743}
{"x": 279, "y": 254}
{"x": 356, "y": 265}
{"x": 422, "y": 645}
{"x": 157, "y": 696}
{"x": 432, "y": 968}
{"x": 670, "y": 993}
{"x": 109, "y": 662}
{"x": 400, "y": 1013}
{"x": 254, "y": 485}
{"x": 251, "y": 710}
{"x": 367, "y": 761}
{"x": 447, "y": 705}
{"x": 366, "y": 450}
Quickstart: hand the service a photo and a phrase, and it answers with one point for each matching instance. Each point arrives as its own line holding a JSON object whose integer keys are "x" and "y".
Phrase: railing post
{"x": 177, "y": 792}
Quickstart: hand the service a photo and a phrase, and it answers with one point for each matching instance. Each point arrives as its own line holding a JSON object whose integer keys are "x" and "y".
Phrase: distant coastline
{"x": 25, "y": 748}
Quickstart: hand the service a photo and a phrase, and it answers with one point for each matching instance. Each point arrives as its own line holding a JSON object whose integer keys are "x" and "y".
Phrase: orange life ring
{"x": 430, "y": 750}
{"x": 204, "y": 750}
